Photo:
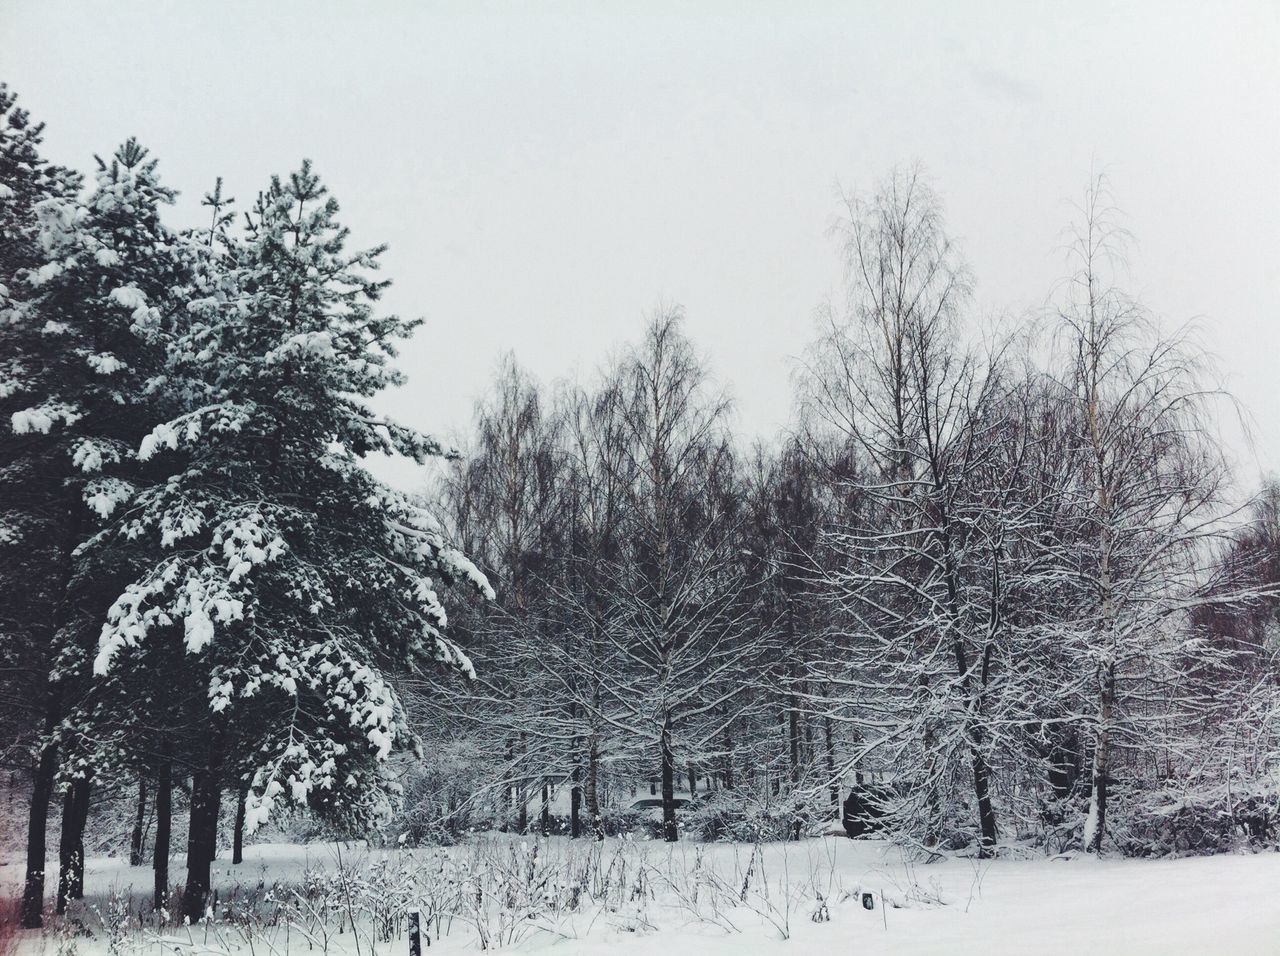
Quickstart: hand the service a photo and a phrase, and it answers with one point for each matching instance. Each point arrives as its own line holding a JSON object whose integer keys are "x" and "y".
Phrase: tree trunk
{"x": 1064, "y": 773}
{"x": 522, "y": 793}
{"x": 37, "y": 824}
{"x": 575, "y": 780}
{"x": 986, "y": 812}
{"x": 728, "y": 760}
{"x": 505, "y": 825}
{"x": 670, "y": 832}
{"x": 831, "y": 762}
{"x": 75, "y": 813}
{"x": 544, "y": 812}
{"x": 32, "y": 915}
{"x": 1096, "y": 823}
{"x": 575, "y": 797}
{"x": 693, "y": 781}
{"x": 593, "y": 789}
{"x": 793, "y": 741}
{"x": 237, "y": 837}
{"x": 135, "y": 838}
{"x": 164, "y": 824}
{"x": 806, "y": 749}
{"x": 522, "y": 812}
{"x": 202, "y": 841}
{"x": 793, "y": 754}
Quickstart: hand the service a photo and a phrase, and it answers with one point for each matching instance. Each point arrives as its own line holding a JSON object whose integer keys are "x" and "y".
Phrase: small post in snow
{"x": 415, "y": 933}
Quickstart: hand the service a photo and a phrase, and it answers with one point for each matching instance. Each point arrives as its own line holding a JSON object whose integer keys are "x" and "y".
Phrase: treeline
{"x": 997, "y": 576}
{"x": 205, "y": 591}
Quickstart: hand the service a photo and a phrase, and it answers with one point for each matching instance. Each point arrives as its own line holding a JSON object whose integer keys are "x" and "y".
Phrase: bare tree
{"x": 915, "y": 587}
{"x": 677, "y": 626}
{"x": 1153, "y": 487}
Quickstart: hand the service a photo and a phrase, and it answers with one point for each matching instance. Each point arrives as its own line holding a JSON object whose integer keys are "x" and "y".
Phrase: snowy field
{"x": 553, "y": 895}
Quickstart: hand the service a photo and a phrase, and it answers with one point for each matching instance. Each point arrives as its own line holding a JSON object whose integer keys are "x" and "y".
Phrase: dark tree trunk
{"x": 793, "y": 741}
{"x": 544, "y": 813}
{"x": 135, "y": 839}
{"x": 693, "y": 781}
{"x": 32, "y": 915}
{"x": 575, "y": 781}
{"x": 37, "y": 825}
{"x": 525, "y": 785}
{"x": 806, "y": 750}
{"x": 593, "y": 789}
{"x": 670, "y": 832}
{"x": 728, "y": 760}
{"x": 75, "y": 813}
{"x": 237, "y": 837}
{"x": 575, "y": 799}
{"x": 202, "y": 841}
{"x": 831, "y": 762}
{"x": 1064, "y": 760}
{"x": 986, "y": 813}
{"x": 977, "y": 744}
{"x": 505, "y": 825}
{"x": 522, "y": 812}
{"x": 793, "y": 755}
{"x": 164, "y": 824}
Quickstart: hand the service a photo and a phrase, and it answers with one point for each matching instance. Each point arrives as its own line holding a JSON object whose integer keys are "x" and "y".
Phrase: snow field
{"x": 533, "y": 894}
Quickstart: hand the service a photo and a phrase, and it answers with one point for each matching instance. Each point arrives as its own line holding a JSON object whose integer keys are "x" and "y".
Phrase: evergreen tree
{"x": 85, "y": 284}
{"x": 34, "y": 547}
{"x": 288, "y": 575}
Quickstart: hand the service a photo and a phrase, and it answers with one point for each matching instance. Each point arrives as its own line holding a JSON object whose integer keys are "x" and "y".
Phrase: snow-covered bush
{"x": 740, "y": 817}
{"x": 1213, "y": 820}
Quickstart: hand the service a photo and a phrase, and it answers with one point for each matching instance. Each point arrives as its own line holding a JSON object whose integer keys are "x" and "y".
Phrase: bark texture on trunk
{"x": 593, "y": 789}
{"x": 986, "y": 812}
{"x": 575, "y": 778}
{"x": 32, "y": 916}
{"x": 202, "y": 842}
{"x": 139, "y": 821}
{"x": 829, "y": 740}
{"x": 1096, "y": 823}
{"x": 164, "y": 828}
{"x": 670, "y": 832}
{"x": 75, "y": 813}
{"x": 237, "y": 837}
{"x": 575, "y": 798}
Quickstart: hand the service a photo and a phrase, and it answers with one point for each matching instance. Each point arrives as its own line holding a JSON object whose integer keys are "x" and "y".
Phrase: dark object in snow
{"x": 865, "y": 810}
{"x": 868, "y": 901}
{"x": 415, "y": 933}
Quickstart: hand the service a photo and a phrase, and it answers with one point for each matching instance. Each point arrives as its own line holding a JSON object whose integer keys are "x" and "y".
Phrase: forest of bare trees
{"x": 997, "y": 577}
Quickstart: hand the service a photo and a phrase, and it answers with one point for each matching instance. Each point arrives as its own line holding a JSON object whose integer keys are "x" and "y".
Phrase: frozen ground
{"x": 651, "y": 900}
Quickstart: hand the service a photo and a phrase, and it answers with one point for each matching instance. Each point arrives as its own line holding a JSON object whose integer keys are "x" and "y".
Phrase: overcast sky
{"x": 547, "y": 174}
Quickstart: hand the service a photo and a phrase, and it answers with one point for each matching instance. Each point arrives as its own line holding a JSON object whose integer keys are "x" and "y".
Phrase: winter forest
{"x": 996, "y": 605}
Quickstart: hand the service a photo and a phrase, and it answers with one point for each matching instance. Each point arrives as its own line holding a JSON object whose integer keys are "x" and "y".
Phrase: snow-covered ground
{"x": 649, "y": 899}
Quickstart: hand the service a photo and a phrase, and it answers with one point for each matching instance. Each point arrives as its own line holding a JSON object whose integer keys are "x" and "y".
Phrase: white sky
{"x": 548, "y": 173}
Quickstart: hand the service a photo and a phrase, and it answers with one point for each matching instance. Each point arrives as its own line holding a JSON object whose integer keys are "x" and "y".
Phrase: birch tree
{"x": 897, "y": 381}
{"x": 1154, "y": 489}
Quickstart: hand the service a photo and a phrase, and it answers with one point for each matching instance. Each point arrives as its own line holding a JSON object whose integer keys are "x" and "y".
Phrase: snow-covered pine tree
{"x": 32, "y": 552}
{"x": 294, "y": 581}
{"x": 84, "y": 280}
